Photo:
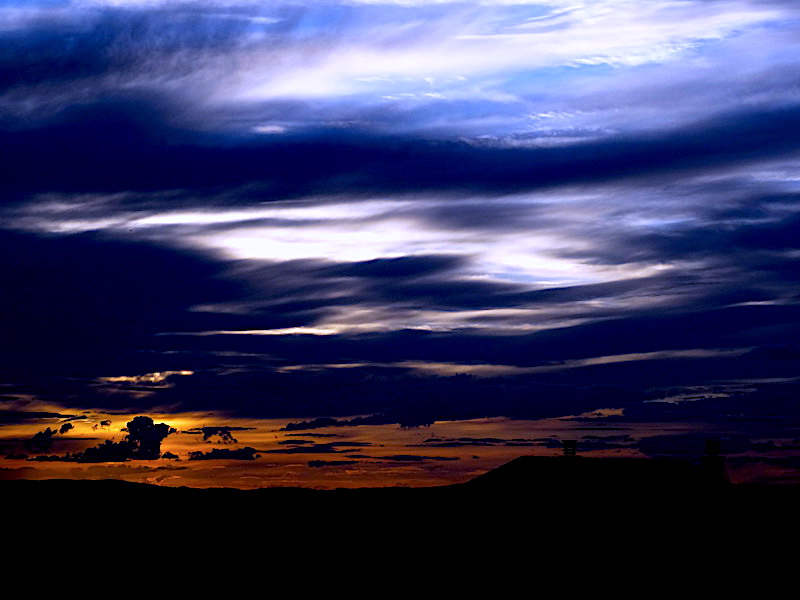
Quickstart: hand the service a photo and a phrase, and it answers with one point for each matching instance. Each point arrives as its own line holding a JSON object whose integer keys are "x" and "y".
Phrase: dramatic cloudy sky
{"x": 370, "y": 242}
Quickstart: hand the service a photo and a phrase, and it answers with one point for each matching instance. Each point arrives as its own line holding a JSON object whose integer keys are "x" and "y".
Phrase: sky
{"x": 350, "y": 243}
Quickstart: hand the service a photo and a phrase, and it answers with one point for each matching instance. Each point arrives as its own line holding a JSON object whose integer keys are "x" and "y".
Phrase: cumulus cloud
{"x": 222, "y": 432}
{"x": 142, "y": 442}
{"x": 42, "y": 440}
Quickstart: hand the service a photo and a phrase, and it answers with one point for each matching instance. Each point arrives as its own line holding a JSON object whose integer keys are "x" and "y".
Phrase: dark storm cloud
{"x": 322, "y": 448}
{"x": 324, "y": 422}
{"x": 83, "y": 293}
{"x": 88, "y": 45}
{"x": 41, "y": 440}
{"x": 690, "y": 445}
{"x": 70, "y": 419}
{"x": 247, "y": 453}
{"x": 643, "y": 331}
{"x": 125, "y": 144}
{"x": 363, "y": 391}
{"x": 16, "y": 456}
{"x": 142, "y": 442}
{"x": 77, "y": 295}
{"x": 404, "y": 267}
{"x": 317, "y": 464}
{"x": 80, "y": 299}
{"x": 146, "y": 436}
{"x": 471, "y": 442}
{"x": 758, "y": 406}
{"x": 499, "y": 215}
{"x": 13, "y": 417}
{"x": 407, "y": 458}
{"x": 586, "y": 442}
{"x": 310, "y": 288}
{"x": 767, "y": 231}
{"x": 771, "y": 446}
{"x": 393, "y": 396}
{"x": 224, "y": 433}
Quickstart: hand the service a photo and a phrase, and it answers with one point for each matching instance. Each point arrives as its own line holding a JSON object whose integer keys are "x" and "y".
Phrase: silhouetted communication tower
{"x": 713, "y": 448}
{"x": 569, "y": 447}
{"x": 713, "y": 463}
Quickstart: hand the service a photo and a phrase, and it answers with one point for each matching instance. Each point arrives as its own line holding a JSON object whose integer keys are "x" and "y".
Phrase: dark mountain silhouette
{"x": 521, "y": 485}
{"x": 538, "y": 473}
{"x": 559, "y": 508}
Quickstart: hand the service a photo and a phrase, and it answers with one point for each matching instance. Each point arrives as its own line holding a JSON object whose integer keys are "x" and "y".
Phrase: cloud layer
{"x": 370, "y": 213}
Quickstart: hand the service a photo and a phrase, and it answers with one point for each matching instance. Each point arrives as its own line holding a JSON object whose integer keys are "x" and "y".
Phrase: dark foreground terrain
{"x": 553, "y": 495}
{"x": 564, "y": 521}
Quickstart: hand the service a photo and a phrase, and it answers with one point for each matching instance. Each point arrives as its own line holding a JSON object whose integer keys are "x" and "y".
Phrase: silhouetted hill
{"x": 530, "y": 506}
{"x": 538, "y": 473}
{"x": 624, "y": 490}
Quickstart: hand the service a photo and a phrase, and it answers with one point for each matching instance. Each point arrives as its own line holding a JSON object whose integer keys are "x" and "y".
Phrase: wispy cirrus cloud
{"x": 432, "y": 68}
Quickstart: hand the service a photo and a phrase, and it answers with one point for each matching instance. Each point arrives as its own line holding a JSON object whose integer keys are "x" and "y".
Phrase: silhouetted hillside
{"x": 536, "y": 473}
{"x": 523, "y": 484}
{"x": 550, "y": 506}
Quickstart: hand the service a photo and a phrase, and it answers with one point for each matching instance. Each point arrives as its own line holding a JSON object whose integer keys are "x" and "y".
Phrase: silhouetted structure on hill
{"x": 629, "y": 488}
{"x": 540, "y": 474}
{"x": 713, "y": 464}
{"x": 569, "y": 447}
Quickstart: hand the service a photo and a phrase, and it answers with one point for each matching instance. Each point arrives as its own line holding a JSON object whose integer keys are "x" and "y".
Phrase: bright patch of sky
{"x": 439, "y": 68}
